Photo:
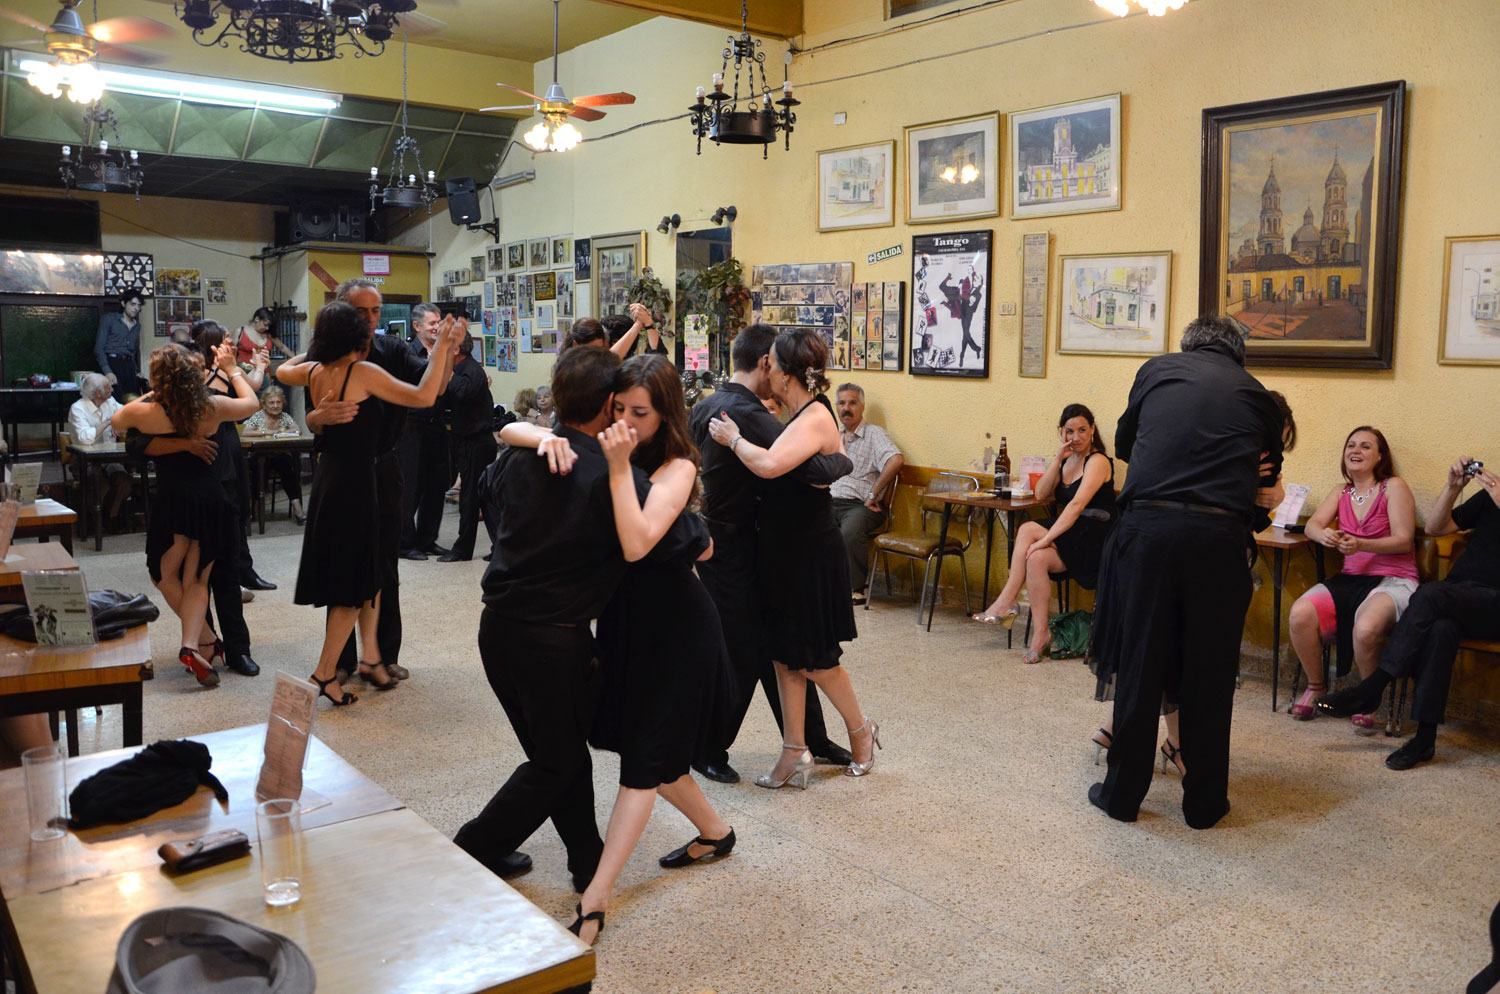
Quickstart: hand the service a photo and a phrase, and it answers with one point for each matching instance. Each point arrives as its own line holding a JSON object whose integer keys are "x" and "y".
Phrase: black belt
{"x": 727, "y": 529}
{"x": 1177, "y": 505}
{"x": 120, "y": 355}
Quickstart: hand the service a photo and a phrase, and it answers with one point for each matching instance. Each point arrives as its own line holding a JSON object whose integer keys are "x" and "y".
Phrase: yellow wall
{"x": 1209, "y": 53}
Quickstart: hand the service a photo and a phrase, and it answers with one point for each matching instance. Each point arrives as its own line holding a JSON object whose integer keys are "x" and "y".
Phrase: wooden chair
{"x": 921, "y": 545}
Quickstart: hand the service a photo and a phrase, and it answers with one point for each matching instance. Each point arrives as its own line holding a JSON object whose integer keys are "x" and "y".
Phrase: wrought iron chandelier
{"x": 414, "y": 189}
{"x": 295, "y": 30}
{"x": 102, "y": 168}
{"x": 722, "y": 121}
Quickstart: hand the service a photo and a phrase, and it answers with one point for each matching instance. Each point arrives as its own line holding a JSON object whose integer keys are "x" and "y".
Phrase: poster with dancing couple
{"x": 950, "y": 311}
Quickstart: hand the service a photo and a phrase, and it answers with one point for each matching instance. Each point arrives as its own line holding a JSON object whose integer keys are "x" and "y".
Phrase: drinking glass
{"x": 46, "y": 791}
{"x": 278, "y": 828}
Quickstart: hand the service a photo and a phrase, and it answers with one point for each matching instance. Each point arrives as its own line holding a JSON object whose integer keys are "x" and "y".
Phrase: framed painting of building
{"x": 1301, "y": 221}
{"x": 1065, "y": 159}
{"x": 1469, "y": 332}
{"x": 856, "y": 187}
{"x": 1114, "y": 304}
{"x": 618, "y": 260}
{"x": 953, "y": 169}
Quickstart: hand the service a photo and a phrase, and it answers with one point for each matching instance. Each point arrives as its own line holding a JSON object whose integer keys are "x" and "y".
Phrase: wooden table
{"x": 1278, "y": 541}
{"x": 36, "y": 679}
{"x": 35, "y": 405}
{"x": 258, "y": 447}
{"x": 22, "y": 558}
{"x": 388, "y": 903}
{"x": 45, "y": 519}
{"x": 90, "y": 458}
{"x": 992, "y": 506}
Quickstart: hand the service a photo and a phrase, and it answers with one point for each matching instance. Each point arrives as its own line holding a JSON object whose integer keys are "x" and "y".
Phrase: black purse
{"x": 114, "y": 611}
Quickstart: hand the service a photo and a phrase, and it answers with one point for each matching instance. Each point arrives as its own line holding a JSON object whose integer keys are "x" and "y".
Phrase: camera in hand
{"x": 1472, "y": 468}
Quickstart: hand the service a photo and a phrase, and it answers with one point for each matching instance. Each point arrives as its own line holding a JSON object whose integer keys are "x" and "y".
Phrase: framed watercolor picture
{"x": 538, "y": 253}
{"x": 855, "y": 187}
{"x": 1065, "y": 159}
{"x": 618, "y": 260}
{"x": 515, "y": 257}
{"x": 1114, "y": 304}
{"x": 950, "y": 305}
{"x": 1469, "y": 332}
{"x": 953, "y": 169}
{"x": 1301, "y": 215}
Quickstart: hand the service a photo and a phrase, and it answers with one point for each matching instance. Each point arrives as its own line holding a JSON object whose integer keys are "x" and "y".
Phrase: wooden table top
{"x": 98, "y": 450}
{"x": 388, "y": 905}
{"x": 42, "y": 555}
{"x": 46, "y": 511}
{"x": 1277, "y": 537}
{"x": 276, "y": 442}
{"x": 26, "y": 667}
{"x": 33, "y": 867}
{"x": 981, "y": 498}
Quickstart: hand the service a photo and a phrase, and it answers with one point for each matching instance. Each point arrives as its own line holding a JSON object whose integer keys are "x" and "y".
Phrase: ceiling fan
{"x": 556, "y": 133}
{"x": 73, "y": 43}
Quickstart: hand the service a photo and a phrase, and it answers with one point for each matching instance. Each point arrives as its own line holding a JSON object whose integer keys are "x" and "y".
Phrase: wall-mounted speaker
{"x": 463, "y": 202}
{"x": 321, "y": 223}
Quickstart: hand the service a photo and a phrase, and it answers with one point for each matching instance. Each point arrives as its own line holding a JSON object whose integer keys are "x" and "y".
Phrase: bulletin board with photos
{"x": 875, "y": 329}
{"x": 820, "y": 295}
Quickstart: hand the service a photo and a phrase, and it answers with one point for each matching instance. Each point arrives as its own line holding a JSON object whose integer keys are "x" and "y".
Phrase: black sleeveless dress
{"x": 189, "y": 502}
{"x": 808, "y": 611}
{"x": 665, "y": 673}
{"x": 340, "y": 564}
{"x": 1081, "y": 546}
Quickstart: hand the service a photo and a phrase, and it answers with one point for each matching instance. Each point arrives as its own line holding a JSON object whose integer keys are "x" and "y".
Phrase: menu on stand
{"x": 58, "y": 601}
{"x": 1290, "y": 509}
{"x": 27, "y": 477}
{"x": 10, "y": 513}
{"x": 294, "y": 702}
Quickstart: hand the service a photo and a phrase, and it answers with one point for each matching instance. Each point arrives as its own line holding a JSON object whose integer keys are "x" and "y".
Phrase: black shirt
{"x": 1194, "y": 429}
{"x": 424, "y": 415}
{"x": 731, "y": 493}
{"x": 390, "y": 353}
{"x": 468, "y": 398}
{"x": 1480, "y": 560}
{"x": 116, "y": 337}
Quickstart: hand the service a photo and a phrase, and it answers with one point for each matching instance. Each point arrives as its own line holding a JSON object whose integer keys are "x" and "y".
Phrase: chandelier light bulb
{"x": 1156, "y": 8}
{"x": 103, "y": 145}
{"x": 67, "y": 151}
{"x": 1119, "y": 8}
{"x": 701, "y": 91}
{"x": 133, "y": 156}
{"x": 537, "y": 137}
{"x": 565, "y": 138}
{"x": 47, "y": 78}
{"x": 431, "y": 176}
{"x": 85, "y": 84}
{"x": 374, "y": 172}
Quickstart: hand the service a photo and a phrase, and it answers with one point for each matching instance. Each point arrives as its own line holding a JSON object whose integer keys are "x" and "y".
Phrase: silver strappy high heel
{"x": 802, "y": 769}
{"x": 860, "y": 769}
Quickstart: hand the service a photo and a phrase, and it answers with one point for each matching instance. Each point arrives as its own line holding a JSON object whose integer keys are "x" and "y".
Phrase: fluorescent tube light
{"x": 206, "y": 90}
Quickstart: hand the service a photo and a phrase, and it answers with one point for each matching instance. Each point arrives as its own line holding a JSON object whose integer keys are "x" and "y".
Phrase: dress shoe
{"x": 487, "y": 555}
{"x": 1347, "y": 702}
{"x": 397, "y": 671}
{"x": 454, "y": 557}
{"x": 513, "y": 865}
{"x": 257, "y": 582}
{"x": 1200, "y": 823}
{"x": 246, "y": 596}
{"x": 1096, "y": 798}
{"x": 242, "y": 664}
{"x": 833, "y": 755}
{"x": 415, "y": 554}
{"x": 718, "y": 772}
{"x": 1410, "y": 755}
{"x": 436, "y": 550}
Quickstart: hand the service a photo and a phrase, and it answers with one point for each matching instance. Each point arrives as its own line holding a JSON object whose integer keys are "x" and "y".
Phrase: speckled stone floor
{"x": 970, "y": 859}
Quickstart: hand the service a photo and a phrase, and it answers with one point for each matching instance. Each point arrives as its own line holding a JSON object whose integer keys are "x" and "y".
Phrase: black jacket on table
{"x": 731, "y": 492}
{"x": 468, "y": 399}
{"x": 1194, "y": 429}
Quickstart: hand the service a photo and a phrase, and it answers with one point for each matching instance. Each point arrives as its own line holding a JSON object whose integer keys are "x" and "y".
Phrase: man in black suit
{"x": 731, "y": 502}
{"x": 425, "y": 467}
{"x": 472, "y": 443}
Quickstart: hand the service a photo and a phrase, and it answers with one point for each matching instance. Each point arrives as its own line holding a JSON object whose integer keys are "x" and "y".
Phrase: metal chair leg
{"x": 870, "y": 585}
{"x": 922, "y": 595}
{"x": 963, "y": 566}
{"x": 911, "y": 572}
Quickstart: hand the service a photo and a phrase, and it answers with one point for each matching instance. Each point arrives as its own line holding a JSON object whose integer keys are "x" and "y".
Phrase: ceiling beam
{"x": 768, "y": 18}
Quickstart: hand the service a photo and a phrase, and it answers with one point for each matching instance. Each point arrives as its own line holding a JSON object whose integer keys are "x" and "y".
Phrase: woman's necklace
{"x": 1359, "y": 499}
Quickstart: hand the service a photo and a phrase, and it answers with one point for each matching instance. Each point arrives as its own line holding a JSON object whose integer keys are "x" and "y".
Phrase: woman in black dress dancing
{"x": 808, "y": 613}
{"x": 664, "y": 673}
{"x": 1081, "y": 479}
{"x": 340, "y": 566}
{"x": 192, "y": 521}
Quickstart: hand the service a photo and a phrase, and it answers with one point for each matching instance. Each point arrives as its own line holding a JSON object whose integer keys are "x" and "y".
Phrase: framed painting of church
{"x": 1065, "y": 159}
{"x": 1301, "y": 225}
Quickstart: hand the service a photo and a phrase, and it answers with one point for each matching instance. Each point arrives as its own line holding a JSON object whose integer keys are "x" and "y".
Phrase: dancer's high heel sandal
{"x": 367, "y": 674}
{"x": 1100, "y": 748}
{"x": 802, "y": 769}
{"x": 682, "y": 857}
{"x": 576, "y": 926}
{"x": 860, "y": 769}
{"x": 198, "y": 666}
{"x": 1171, "y": 758}
{"x": 347, "y": 699}
{"x": 1006, "y": 618}
{"x": 1304, "y": 709}
{"x": 216, "y": 654}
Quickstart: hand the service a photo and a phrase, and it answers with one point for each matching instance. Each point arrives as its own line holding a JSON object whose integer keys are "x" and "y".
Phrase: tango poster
{"x": 950, "y": 304}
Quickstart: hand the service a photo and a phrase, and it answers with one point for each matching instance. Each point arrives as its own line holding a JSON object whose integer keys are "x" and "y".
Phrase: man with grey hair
{"x": 1174, "y": 583}
{"x": 425, "y": 464}
{"x": 856, "y": 497}
{"x": 88, "y": 422}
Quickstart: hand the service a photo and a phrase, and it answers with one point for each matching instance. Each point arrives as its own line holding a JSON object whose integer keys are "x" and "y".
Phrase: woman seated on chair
{"x": 1080, "y": 478}
{"x": 272, "y": 419}
{"x": 1370, "y": 519}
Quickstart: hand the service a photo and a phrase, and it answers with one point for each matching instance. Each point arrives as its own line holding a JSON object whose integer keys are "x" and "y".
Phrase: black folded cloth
{"x": 161, "y": 775}
{"x": 114, "y": 612}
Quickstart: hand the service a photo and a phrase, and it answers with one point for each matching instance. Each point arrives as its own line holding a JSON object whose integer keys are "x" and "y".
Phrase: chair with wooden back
{"x": 923, "y": 545}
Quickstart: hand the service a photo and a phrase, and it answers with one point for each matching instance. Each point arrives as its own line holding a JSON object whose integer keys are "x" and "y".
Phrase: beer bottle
{"x": 1002, "y": 466}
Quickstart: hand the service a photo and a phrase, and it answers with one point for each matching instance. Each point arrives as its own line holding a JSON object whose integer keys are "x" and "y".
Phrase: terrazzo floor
{"x": 970, "y": 860}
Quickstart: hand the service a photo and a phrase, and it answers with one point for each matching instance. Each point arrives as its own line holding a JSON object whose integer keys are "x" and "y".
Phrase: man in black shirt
{"x": 473, "y": 444}
{"x": 733, "y": 577}
{"x": 117, "y": 344}
{"x": 555, "y": 564}
{"x": 1174, "y": 575}
{"x": 1464, "y": 605}
{"x": 425, "y": 467}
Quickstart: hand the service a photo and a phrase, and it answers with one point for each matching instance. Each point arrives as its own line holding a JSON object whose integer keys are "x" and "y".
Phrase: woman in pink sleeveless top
{"x": 1370, "y": 520}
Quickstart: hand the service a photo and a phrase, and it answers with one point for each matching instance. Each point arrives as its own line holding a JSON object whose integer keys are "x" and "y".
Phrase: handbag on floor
{"x": 1070, "y": 634}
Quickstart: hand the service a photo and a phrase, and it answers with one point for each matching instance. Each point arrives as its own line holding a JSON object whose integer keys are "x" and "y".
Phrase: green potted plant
{"x": 650, "y": 291}
{"x": 719, "y": 293}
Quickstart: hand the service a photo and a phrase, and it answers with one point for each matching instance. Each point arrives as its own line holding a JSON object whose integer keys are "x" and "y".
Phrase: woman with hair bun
{"x": 809, "y": 613}
{"x": 192, "y": 520}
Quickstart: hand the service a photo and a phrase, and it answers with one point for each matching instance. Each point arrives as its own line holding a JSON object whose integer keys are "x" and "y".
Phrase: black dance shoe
{"x": 833, "y": 755}
{"x": 682, "y": 857}
{"x": 242, "y": 664}
{"x": 1096, "y": 798}
{"x": 1194, "y": 821}
{"x": 254, "y": 581}
{"x": 1346, "y": 702}
{"x": 453, "y": 557}
{"x": 413, "y": 554}
{"x": 435, "y": 549}
{"x": 513, "y": 865}
{"x": 1410, "y": 755}
{"x": 718, "y": 772}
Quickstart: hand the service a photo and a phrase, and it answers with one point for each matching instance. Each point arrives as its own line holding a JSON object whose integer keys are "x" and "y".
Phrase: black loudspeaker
{"x": 351, "y": 226}
{"x": 463, "y": 201}
{"x": 322, "y": 223}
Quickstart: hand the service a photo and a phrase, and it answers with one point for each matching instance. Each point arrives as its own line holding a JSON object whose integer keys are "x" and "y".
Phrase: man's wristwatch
{"x": 869, "y": 496}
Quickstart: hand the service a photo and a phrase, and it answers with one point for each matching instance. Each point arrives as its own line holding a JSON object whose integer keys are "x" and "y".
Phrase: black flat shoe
{"x": 413, "y": 554}
{"x": 1096, "y": 798}
{"x": 718, "y": 772}
{"x": 833, "y": 755}
{"x": 1410, "y": 755}
{"x": 436, "y": 550}
{"x": 513, "y": 865}
{"x": 1346, "y": 702}
{"x": 257, "y": 582}
{"x": 242, "y": 664}
{"x": 453, "y": 557}
{"x": 367, "y": 674}
{"x": 576, "y": 926}
{"x": 682, "y": 857}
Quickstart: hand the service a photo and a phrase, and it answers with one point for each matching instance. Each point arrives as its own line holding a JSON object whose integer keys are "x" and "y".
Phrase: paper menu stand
{"x": 288, "y": 735}
{"x": 28, "y": 477}
{"x": 58, "y": 601}
{"x": 10, "y": 513}
{"x": 1290, "y": 508}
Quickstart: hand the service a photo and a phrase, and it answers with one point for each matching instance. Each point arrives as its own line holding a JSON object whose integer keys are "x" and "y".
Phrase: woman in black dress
{"x": 340, "y": 565}
{"x": 665, "y": 672}
{"x": 192, "y": 521}
{"x": 808, "y": 613}
{"x": 1081, "y": 479}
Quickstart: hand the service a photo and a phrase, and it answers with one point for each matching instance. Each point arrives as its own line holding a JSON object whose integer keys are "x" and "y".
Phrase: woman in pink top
{"x": 1357, "y": 607}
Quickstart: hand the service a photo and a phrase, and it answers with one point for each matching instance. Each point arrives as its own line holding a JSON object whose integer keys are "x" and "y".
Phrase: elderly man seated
{"x": 856, "y": 497}
{"x": 88, "y": 421}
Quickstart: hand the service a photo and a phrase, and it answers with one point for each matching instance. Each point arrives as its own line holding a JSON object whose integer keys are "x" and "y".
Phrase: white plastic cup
{"x": 278, "y": 829}
{"x": 46, "y": 791}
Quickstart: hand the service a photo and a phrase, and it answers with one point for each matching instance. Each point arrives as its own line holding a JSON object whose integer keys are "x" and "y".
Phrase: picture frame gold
{"x": 934, "y": 150}
{"x": 611, "y": 281}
